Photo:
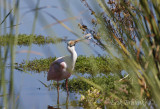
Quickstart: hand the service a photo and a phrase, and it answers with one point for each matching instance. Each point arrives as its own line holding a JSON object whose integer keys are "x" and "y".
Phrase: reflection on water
{"x": 33, "y": 94}
{"x": 51, "y": 107}
{"x": 58, "y": 105}
{"x": 58, "y": 94}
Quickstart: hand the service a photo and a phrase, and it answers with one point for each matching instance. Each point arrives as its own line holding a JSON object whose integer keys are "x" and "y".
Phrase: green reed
{"x": 127, "y": 30}
{"x": 130, "y": 29}
{"x": 24, "y": 40}
{"x": 83, "y": 65}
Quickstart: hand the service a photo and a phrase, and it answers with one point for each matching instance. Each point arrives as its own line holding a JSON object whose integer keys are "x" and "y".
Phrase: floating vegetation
{"x": 91, "y": 65}
{"x": 24, "y": 39}
{"x": 95, "y": 98}
{"x": 77, "y": 85}
{"x": 91, "y": 96}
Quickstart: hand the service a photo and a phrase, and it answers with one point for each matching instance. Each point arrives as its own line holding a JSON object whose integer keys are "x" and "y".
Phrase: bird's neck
{"x": 72, "y": 52}
{"x": 74, "y": 56}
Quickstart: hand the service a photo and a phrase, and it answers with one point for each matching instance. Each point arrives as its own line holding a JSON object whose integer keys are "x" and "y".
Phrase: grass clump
{"x": 83, "y": 65}
{"x": 77, "y": 85}
{"x": 92, "y": 97}
{"x": 37, "y": 65}
{"x": 24, "y": 40}
{"x": 131, "y": 30}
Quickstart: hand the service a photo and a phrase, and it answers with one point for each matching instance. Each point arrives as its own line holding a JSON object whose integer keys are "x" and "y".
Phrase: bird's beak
{"x": 83, "y": 38}
{"x": 73, "y": 42}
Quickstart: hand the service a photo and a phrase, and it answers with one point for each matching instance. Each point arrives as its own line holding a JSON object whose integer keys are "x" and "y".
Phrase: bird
{"x": 63, "y": 67}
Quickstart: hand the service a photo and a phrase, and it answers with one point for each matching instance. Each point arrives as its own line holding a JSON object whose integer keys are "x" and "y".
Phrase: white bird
{"x": 62, "y": 67}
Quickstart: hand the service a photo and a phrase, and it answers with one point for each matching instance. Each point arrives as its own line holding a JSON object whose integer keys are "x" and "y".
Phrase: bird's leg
{"x": 67, "y": 101}
{"x": 58, "y": 94}
{"x": 57, "y": 86}
{"x": 67, "y": 86}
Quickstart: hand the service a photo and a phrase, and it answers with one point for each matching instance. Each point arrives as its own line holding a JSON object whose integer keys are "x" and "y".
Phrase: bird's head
{"x": 71, "y": 45}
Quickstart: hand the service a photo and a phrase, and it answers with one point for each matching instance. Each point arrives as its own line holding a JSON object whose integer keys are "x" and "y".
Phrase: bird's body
{"x": 63, "y": 67}
{"x": 58, "y": 70}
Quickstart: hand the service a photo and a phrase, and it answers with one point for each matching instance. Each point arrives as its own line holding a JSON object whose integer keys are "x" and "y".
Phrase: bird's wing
{"x": 57, "y": 68}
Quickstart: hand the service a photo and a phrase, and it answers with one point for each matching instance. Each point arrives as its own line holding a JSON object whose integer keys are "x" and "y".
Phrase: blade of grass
{"x": 64, "y": 20}
{"x": 6, "y": 17}
{"x": 65, "y": 26}
{"x": 42, "y": 83}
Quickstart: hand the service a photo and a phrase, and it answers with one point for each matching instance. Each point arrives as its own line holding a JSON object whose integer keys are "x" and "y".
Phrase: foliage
{"x": 83, "y": 65}
{"x": 131, "y": 29}
{"x": 24, "y": 39}
{"x": 77, "y": 85}
{"x": 93, "y": 98}
{"x": 36, "y": 65}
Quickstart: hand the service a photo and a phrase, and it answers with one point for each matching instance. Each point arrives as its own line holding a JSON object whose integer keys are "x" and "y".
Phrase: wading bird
{"x": 63, "y": 67}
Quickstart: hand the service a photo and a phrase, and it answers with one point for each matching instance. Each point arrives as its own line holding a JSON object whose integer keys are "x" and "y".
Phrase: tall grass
{"x": 9, "y": 28}
{"x": 8, "y": 53}
{"x": 127, "y": 30}
{"x": 131, "y": 29}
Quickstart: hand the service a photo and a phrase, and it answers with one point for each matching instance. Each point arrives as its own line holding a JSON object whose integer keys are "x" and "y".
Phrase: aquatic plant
{"x": 83, "y": 65}
{"x": 24, "y": 40}
{"x": 77, "y": 85}
{"x": 92, "y": 97}
{"x": 129, "y": 29}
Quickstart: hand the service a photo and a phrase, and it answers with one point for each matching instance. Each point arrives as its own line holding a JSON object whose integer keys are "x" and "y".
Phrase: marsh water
{"x": 116, "y": 65}
{"x": 31, "y": 93}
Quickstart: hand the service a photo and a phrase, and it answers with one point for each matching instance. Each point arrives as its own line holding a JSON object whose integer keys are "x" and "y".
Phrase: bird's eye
{"x": 71, "y": 45}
